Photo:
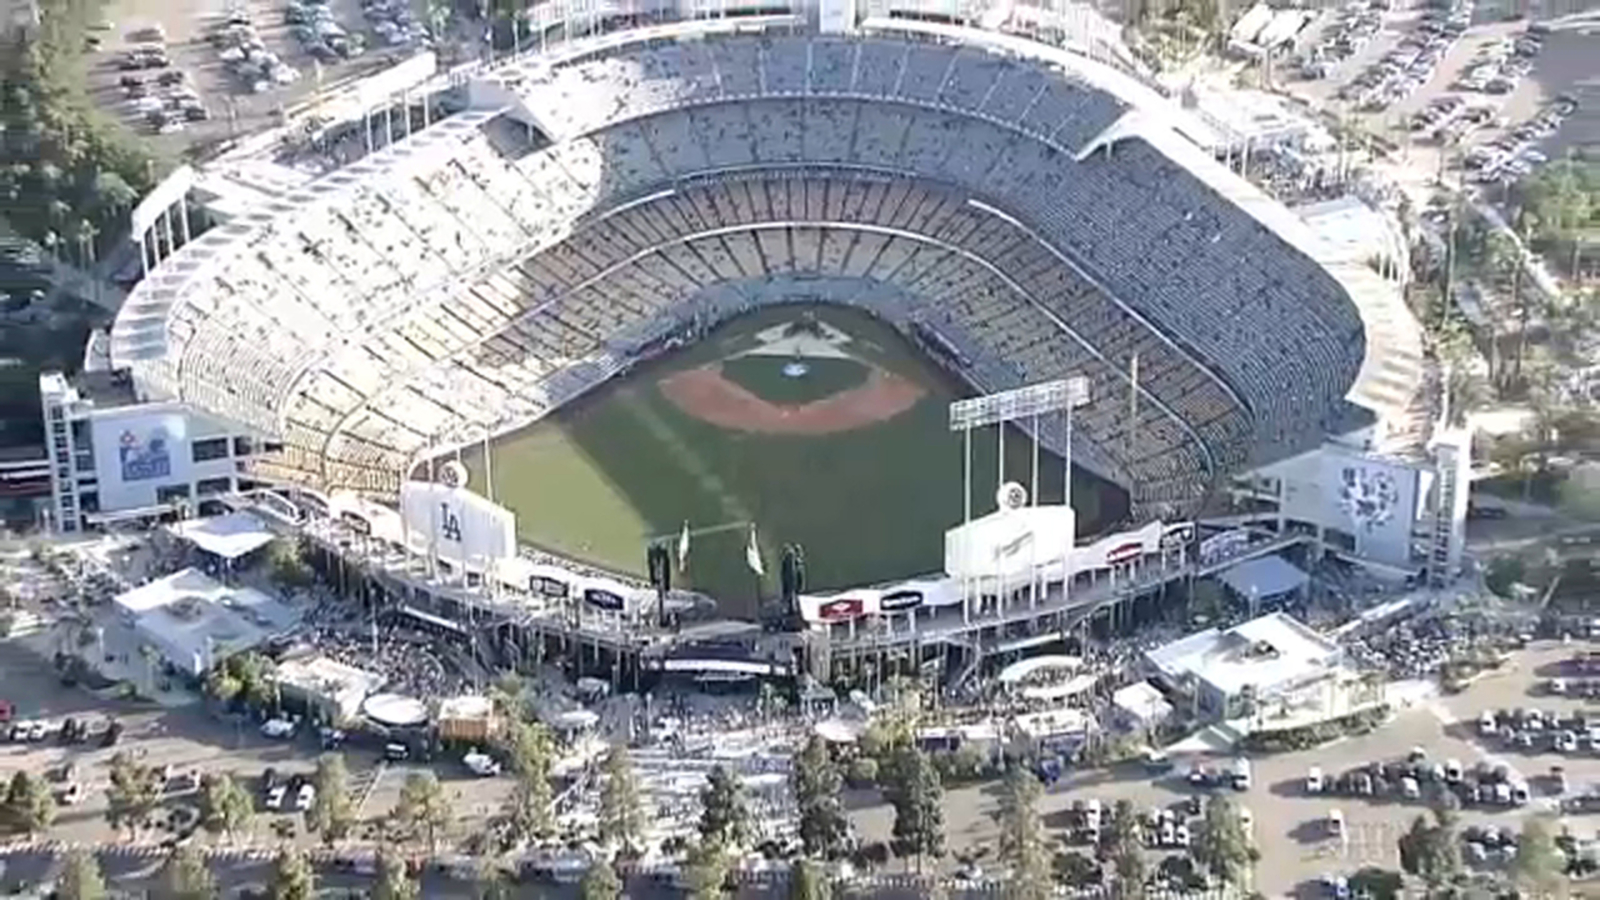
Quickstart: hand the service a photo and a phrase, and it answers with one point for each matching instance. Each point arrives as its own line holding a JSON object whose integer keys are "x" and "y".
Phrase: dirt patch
{"x": 706, "y": 395}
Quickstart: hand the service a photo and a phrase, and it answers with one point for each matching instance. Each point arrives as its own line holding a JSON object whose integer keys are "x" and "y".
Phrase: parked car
{"x": 277, "y": 728}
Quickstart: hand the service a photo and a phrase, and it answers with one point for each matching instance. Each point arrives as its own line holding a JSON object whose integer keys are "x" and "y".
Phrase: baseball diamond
{"x": 861, "y": 471}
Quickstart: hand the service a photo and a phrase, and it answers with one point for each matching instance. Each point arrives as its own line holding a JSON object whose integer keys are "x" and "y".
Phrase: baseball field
{"x": 819, "y": 425}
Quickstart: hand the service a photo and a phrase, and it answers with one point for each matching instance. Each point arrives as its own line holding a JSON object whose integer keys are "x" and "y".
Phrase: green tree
{"x": 331, "y": 814}
{"x": 600, "y": 882}
{"x": 1022, "y": 841}
{"x": 816, "y": 783}
{"x": 392, "y": 881}
{"x": 113, "y": 192}
{"x": 245, "y": 678}
{"x": 808, "y": 880}
{"x": 225, "y": 807}
{"x": 1430, "y": 851}
{"x": 621, "y": 815}
{"x": 528, "y": 811}
{"x": 423, "y": 808}
{"x": 1127, "y": 852}
{"x": 185, "y": 876}
{"x": 724, "y": 819}
{"x": 529, "y": 750}
{"x": 287, "y": 564}
{"x": 1537, "y": 869}
{"x": 29, "y": 806}
{"x": 132, "y": 795}
{"x": 492, "y": 883}
{"x": 80, "y": 877}
{"x": 917, "y": 796}
{"x": 1220, "y": 845}
{"x": 705, "y": 870}
{"x": 292, "y": 878}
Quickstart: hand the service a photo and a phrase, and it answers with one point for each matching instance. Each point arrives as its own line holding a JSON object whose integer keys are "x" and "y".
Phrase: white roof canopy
{"x": 229, "y": 536}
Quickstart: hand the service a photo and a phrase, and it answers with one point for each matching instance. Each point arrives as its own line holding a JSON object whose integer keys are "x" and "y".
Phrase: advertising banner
{"x": 136, "y": 453}
{"x": 1375, "y": 500}
{"x": 1118, "y": 549}
{"x": 456, "y": 524}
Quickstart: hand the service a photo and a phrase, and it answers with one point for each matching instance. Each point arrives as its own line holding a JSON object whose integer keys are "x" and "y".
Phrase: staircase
{"x": 1439, "y": 557}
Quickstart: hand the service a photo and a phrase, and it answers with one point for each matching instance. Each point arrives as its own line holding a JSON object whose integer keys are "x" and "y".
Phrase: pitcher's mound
{"x": 706, "y": 395}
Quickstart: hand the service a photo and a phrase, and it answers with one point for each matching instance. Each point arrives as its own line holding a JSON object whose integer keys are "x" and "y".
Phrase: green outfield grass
{"x": 623, "y": 466}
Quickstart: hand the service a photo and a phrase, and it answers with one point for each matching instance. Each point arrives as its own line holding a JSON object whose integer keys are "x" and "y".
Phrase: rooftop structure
{"x": 336, "y": 686}
{"x": 195, "y": 621}
{"x": 1269, "y": 654}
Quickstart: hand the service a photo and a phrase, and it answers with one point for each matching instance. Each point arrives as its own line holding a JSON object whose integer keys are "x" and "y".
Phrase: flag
{"x": 683, "y": 547}
{"x": 752, "y": 555}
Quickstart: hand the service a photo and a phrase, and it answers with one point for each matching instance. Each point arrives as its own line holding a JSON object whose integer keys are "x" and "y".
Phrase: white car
{"x": 1453, "y": 773}
{"x": 482, "y": 764}
{"x": 276, "y": 796}
{"x": 306, "y": 797}
{"x": 1314, "y": 782}
{"x": 1335, "y": 823}
{"x": 1566, "y": 742}
{"x": 277, "y": 728}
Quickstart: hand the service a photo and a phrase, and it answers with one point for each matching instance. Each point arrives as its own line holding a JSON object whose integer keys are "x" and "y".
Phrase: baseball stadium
{"x": 729, "y": 272}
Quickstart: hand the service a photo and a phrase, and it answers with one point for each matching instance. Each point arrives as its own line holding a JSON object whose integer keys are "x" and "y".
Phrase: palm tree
{"x": 150, "y": 657}
{"x": 1505, "y": 259}
{"x": 49, "y": 175}
{"x": 85, "y": 235}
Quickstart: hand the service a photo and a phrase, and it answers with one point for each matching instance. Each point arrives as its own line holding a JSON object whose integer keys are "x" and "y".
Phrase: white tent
{"x": 228, "y": 536}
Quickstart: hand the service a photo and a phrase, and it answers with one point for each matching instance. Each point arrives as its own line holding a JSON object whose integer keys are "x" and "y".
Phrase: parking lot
{"x": 1290, "y": 825}
{"x": 191, "y": 741}
{"x": 1477, "y": 81}
{"x": 193, "y": 72}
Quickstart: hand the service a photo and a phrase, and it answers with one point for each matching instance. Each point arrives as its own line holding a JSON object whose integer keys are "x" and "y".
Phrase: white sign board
{"x": 138, "y": 452}
{"x": 455, "y": 524}
{"x": 1009, "y": 543}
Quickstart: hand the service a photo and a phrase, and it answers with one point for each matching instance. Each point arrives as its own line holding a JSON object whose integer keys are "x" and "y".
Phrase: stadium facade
{"x": 1041, "y": 210}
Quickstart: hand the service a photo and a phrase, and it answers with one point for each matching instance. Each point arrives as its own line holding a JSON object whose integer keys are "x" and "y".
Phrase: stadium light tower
{"x": 1024, "y": 403}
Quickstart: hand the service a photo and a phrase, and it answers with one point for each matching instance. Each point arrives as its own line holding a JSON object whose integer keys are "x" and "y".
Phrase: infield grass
{"x": 623, "y": 466}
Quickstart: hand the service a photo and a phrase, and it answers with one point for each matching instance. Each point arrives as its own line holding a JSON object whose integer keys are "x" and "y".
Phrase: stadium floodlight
{"x": 1019, "y": 403}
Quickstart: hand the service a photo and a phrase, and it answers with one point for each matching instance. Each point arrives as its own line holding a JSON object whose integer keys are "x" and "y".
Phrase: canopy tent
{"x": 227, "y": 536}
{"x": 395, "y": 710}
{"x": 1264, "y": 576}
{"x": 1080, "y": 684}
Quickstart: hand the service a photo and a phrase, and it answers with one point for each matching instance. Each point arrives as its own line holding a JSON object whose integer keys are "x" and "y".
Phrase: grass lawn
{"x": 622, "y": 466}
